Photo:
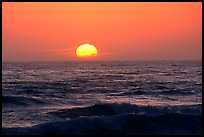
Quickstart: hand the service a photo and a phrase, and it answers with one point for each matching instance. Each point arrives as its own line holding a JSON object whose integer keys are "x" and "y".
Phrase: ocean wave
{"x": 170, "y": 123}
{"x": 123, "y": 108}
{"x": 139, "y": 91}
{"x": 122, "y": 118}
{"x": 10, "y": 101}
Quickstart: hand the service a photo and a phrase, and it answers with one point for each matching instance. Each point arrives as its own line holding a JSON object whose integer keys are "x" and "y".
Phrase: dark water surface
{"x": 115, "y": 97}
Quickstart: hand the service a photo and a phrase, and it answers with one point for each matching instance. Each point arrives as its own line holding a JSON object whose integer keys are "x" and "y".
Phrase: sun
{"x": 86, "y": 50}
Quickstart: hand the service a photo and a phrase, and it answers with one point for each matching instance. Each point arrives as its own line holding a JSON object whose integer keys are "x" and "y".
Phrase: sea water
{"x": 102, "y": 97}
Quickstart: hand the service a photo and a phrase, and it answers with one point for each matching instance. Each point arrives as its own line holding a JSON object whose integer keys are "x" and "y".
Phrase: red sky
{"x": 120, "y": 31}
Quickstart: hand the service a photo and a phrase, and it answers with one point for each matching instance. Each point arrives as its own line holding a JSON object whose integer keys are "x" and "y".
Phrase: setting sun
{"x": 86, "y": 50}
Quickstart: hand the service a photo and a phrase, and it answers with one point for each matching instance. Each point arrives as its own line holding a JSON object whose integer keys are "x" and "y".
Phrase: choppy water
{"x": 102, "y": 97}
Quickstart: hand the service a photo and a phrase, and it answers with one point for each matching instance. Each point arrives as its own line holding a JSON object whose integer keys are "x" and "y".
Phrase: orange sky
{"x": 120, "y": 31}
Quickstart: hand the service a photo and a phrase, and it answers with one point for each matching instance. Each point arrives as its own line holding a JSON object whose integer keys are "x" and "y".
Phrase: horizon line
{"x": 100, "y": 60}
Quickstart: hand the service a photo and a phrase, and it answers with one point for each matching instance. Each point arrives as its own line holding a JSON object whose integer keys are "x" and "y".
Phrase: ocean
{"x": 102, "y": 97}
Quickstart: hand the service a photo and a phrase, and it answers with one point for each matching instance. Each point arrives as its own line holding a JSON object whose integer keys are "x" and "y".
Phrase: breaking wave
{"x": 120, "y": 119}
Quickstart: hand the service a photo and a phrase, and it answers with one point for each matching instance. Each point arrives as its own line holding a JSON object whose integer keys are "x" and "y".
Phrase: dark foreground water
{"x": 131, "y": 97}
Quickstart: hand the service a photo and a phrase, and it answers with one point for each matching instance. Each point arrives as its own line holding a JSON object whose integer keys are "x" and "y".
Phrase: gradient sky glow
{"x": 120, "y": 31}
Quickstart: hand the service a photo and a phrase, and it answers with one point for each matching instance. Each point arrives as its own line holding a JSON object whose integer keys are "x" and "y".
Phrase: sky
{"x": 51, "y": 31}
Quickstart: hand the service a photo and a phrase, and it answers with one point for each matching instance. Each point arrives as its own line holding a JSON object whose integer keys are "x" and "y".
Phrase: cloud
{"x": 61, "y": 50}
